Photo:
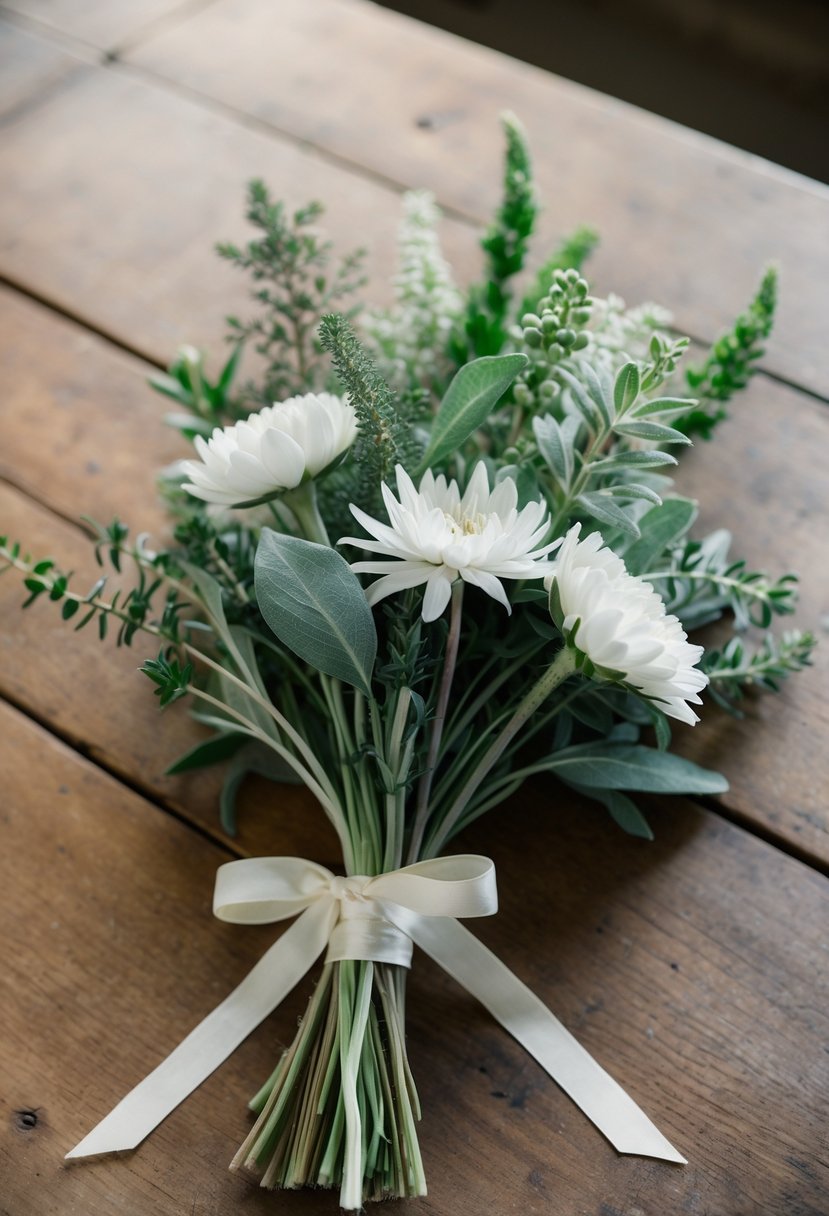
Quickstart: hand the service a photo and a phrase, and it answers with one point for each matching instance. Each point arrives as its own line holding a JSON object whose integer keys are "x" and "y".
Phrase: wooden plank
{"x": 29, "y": 68}
{"x": 694, "y": 969}
{"x": 104, "y": 24}
{"x": 93, "y": 440}
{"x": 147, "y": 182}
{"x": 758, "y": 478}
{"x": 684, "y": 219}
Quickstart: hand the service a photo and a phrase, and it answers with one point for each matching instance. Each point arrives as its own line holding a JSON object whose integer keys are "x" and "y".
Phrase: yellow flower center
{"x": 467, "y": 525}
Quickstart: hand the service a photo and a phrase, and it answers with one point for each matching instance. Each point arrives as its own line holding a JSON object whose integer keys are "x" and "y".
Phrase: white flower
{"x": 439, "y": 536}
{"x": 272, "y": 450}
{"x": 622, "y": 625}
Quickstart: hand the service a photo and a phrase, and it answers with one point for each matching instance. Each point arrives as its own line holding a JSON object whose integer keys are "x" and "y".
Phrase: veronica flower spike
{"x": 435, "y": 536}
{"x": 618, "y": 622}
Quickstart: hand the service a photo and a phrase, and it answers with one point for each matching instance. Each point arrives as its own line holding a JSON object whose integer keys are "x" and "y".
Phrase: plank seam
{"x": 61, "y": 310}
{"x": 764, "y": 832}
{"x": 88, "y": 754}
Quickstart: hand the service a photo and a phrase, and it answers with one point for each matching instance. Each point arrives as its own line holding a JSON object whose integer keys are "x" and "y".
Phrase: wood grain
{"x": 94, "y": 439}
{"x": 29, "y": 68}
{"x": 104, "y": 24}
{"x": 694, "y": 969}
{"x": 683, "y": 218}
{"x": 148, "y": 182}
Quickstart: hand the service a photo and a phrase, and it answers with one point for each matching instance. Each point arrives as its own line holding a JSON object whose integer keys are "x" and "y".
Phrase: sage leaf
{"x": 469, "y": 400}
{"x": 605, "y": 765}
{"x": 659, "y": 528}
{"x": 315, "y": 605}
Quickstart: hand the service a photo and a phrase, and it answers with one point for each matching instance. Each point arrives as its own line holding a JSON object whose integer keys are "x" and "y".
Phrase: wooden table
{"x": 694, "y": 968}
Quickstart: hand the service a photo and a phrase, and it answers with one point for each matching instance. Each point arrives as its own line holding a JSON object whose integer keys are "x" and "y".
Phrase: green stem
{"x": 562, "y": 666}
{"x": 303, "y": 502}
{"x": 450, "y": 659}
{"x": 328, "y": 804}
{"x": 758, "y": 590}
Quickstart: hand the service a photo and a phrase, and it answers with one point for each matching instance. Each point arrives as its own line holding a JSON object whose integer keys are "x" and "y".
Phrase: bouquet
{"x": 420, "y": 556}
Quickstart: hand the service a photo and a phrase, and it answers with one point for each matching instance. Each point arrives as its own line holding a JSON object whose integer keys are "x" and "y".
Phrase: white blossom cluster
{"x": 617, "y": 334}
{"x": 408, "y": 340}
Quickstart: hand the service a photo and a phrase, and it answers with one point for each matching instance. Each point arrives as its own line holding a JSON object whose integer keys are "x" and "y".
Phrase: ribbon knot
{"x": 349, "y": 890}
{"x": 375, "y": 919}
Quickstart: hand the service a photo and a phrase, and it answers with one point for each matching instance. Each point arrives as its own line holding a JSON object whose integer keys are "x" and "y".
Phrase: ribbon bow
{"x": 376, "y": 919}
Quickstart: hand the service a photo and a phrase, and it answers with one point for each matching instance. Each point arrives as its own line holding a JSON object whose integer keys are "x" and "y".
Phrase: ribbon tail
{"x": 214, "y": 1039}
{"x": 521, "y": 1012}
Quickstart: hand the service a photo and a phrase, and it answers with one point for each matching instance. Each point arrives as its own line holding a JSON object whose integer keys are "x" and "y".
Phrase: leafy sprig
{"x": 291, "y": 267}
{"x": 700, "y": 581}
{"x": 736, "y": 667}
{"x": 591, "y": 463}
{"x": 732, "y": 360}
{"x": 505, "y": 245}
{"x": 384, "y": 440}
{"x": 210, "y": 403}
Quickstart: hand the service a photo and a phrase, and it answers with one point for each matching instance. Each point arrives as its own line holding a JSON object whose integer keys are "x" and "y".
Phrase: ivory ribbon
{"x": 375, "y": 919}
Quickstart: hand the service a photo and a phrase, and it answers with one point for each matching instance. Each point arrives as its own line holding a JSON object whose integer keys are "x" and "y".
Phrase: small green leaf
{"x": 469, "y": 400}
{"x": 626, "y": 388}
{"x": 634, "y": 460}
{"x": 659, "y": 528}
{"x": 604, "y": 509}
{"x": 315, "y": 605}
{"x": 209, "y": 751}
{"x": 663, "y": 405}
{"x": 632, "y": 489}
{"x": 651, "y": 430}
{"x": 556, "y": 452}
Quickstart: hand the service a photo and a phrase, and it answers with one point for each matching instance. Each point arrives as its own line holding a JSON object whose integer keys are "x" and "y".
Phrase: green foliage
{"x": 591, "y": 465}
{"x": 294, "y": 283}
{"x": 608, "y": 764}
{"x": 474, "y": 392}
{"x": 133, "y": 611}
{"x": 736, "y": 667}
{"x": 732, "y": 360}
{"x": 571, "y": 254}
{"x": 210, "y": 404}
{"x": 505, "y": 244}
{"x": 384, "y": 439}
{"x": 171, "y": 679}
{"x": 699, "y": 581}
{"x": 315, "y": 605}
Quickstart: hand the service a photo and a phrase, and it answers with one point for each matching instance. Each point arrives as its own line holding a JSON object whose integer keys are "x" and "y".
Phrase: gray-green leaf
{"x": 623, "y": 766}
{"x": 315, "y": 605}
{"x": 470, "y": 398}
{"x": 605, "y": 510}
{"x": 659, "y": 528}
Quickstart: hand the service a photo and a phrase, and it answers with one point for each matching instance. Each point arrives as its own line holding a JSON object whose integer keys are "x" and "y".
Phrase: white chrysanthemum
{"x": 437, "y": 536}
{"x": 272, "y": 450}
{"x": 622, "y": 625}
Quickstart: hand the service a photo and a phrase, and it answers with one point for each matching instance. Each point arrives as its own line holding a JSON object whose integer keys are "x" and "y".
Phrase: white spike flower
{"x": 619, "y": 622}
{"x": 436, "y": 536}
{"x": 272, "y": 450}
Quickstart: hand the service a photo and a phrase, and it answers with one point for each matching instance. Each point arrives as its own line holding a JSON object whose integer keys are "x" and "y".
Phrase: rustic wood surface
{"x": 694, "y": 968}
